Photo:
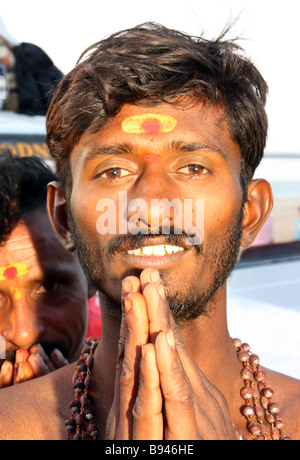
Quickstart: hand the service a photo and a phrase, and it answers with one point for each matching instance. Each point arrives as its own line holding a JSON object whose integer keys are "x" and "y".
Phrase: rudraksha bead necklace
{"x": 80, "y": 424}
{"x": 260, "y": 411}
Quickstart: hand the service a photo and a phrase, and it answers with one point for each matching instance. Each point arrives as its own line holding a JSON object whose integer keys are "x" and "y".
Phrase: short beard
{"x": 222, "y": 256}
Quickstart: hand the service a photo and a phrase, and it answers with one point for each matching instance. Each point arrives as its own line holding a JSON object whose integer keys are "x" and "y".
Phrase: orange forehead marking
{"x": 149, "y": 123}
{"x": 151, "y": 158}
{"x": 16, "y": 293}
{"x": 13, "y": 271}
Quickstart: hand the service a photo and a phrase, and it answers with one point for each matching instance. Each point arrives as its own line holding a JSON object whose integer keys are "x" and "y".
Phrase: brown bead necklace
{"x": 80, "y": 425}
{"x": 259, "y": 406}
{"x": 261, "y": 413}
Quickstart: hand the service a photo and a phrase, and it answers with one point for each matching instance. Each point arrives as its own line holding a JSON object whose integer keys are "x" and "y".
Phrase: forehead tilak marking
{"x": 12, "y": 271}
{"x": 149, "y": 123}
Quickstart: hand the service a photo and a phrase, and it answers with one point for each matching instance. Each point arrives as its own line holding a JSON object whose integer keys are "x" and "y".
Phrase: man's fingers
{"x": 177, "y": 392}
{"x": 6, "y": 374}
{"x": 29, "y": 365}
{"x": 19, "y": 373}
{"x": 38, "y": 365}
{"x": 137, "y": 327}
{"x": 58, "y": 360}
{"x": 21, "y": 356}
{"x": 149, "y": 275}
{"x": 39, "y": 350}
{"x": 158, "y": 312}
{"x": 134, "y": 333}
{"x": 129, "y": 284}
{"x": 24, "y": 373}
{"x": 147, "y": 411}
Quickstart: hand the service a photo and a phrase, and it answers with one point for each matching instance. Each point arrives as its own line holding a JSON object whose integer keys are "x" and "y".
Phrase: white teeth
{"x": 160, "y": 250}
{"x": 147, "y": 251}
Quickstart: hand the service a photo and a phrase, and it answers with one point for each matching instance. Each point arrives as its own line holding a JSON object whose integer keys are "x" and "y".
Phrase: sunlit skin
{"x": 111, "y": 160}
{"x": 196, "y": 140}
{"x": 170, "y": 382}
{"x": 12, "y": 272}
{"x": 151, "y": 158}
{"x": 149, "y": 123}
{"x": 42, "y": 298}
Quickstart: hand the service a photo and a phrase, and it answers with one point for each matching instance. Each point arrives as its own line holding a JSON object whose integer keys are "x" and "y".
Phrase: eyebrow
{"x": 129, "y": 149}
{"x": 118, "y": 149}
{"x": 179, "y": 146}
{"x": 50, "y": 273}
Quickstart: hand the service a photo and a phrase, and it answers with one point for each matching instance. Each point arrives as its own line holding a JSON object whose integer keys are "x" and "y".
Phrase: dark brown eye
{"x": 194, "y": 170}
{"x": 115, "y": 173}
{"x": 48, "y": 286}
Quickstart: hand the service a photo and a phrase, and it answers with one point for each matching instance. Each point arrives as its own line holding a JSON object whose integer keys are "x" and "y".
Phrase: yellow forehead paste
{"x": 16, "y": 293}
{"x": 150, "y": 123}
{"x": 13, "y": 271}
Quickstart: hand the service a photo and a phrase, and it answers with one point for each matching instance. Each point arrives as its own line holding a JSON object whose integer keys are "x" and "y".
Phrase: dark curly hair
{"x": 153, "y": 64}
{"x": 23, "y": 189}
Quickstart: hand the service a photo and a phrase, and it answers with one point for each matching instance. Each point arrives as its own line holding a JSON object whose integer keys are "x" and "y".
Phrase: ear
{"x": 257, "y": 209}
{"x": 57, "y": 210}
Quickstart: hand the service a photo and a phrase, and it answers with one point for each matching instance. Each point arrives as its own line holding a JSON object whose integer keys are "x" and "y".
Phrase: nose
{"x": 24, "y": 328}
{"x": 154, "y": 204}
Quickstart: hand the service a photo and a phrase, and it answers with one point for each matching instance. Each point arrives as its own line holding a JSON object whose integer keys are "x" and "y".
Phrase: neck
{"x": 207, "y": 340}
{"x": 105, "y": 362}
{"x": 209, "y": 343}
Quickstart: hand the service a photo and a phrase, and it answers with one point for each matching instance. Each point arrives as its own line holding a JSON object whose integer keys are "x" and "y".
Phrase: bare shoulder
{"x": 37, "y": 409}
{"x": 287, "y": 395}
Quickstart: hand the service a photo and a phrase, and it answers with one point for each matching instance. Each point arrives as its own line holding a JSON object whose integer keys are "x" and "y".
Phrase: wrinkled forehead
{"x": 32, "y": 246}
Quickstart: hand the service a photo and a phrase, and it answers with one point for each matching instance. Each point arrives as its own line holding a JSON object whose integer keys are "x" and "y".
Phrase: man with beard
{"x": 155, "y": 116}
{"x": 43, "y": 291}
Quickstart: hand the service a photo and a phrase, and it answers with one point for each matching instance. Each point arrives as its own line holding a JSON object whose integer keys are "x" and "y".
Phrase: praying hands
{"x": 160, "y": 392}
{"x": 29, "y": 365}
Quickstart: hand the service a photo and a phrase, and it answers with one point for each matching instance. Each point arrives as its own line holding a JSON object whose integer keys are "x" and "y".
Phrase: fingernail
{"x": 38, "y": 359}
{"x": 38, "y": 349}
{"x": 126, "y": 287}
{"x": 170, "y": 339}
{"x": 24, "y": 371}
{"x": 161, "y": 291}
{"x": 57, "y": 353}
{"x": 21, "y": 355}
{"x": 155, "y": 276}
{"x": 6, "y": 367}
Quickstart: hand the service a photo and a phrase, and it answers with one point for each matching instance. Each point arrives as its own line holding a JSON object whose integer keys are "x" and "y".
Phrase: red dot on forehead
{"x": 10, "y": 273}
{"x": 151, "y": 125}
